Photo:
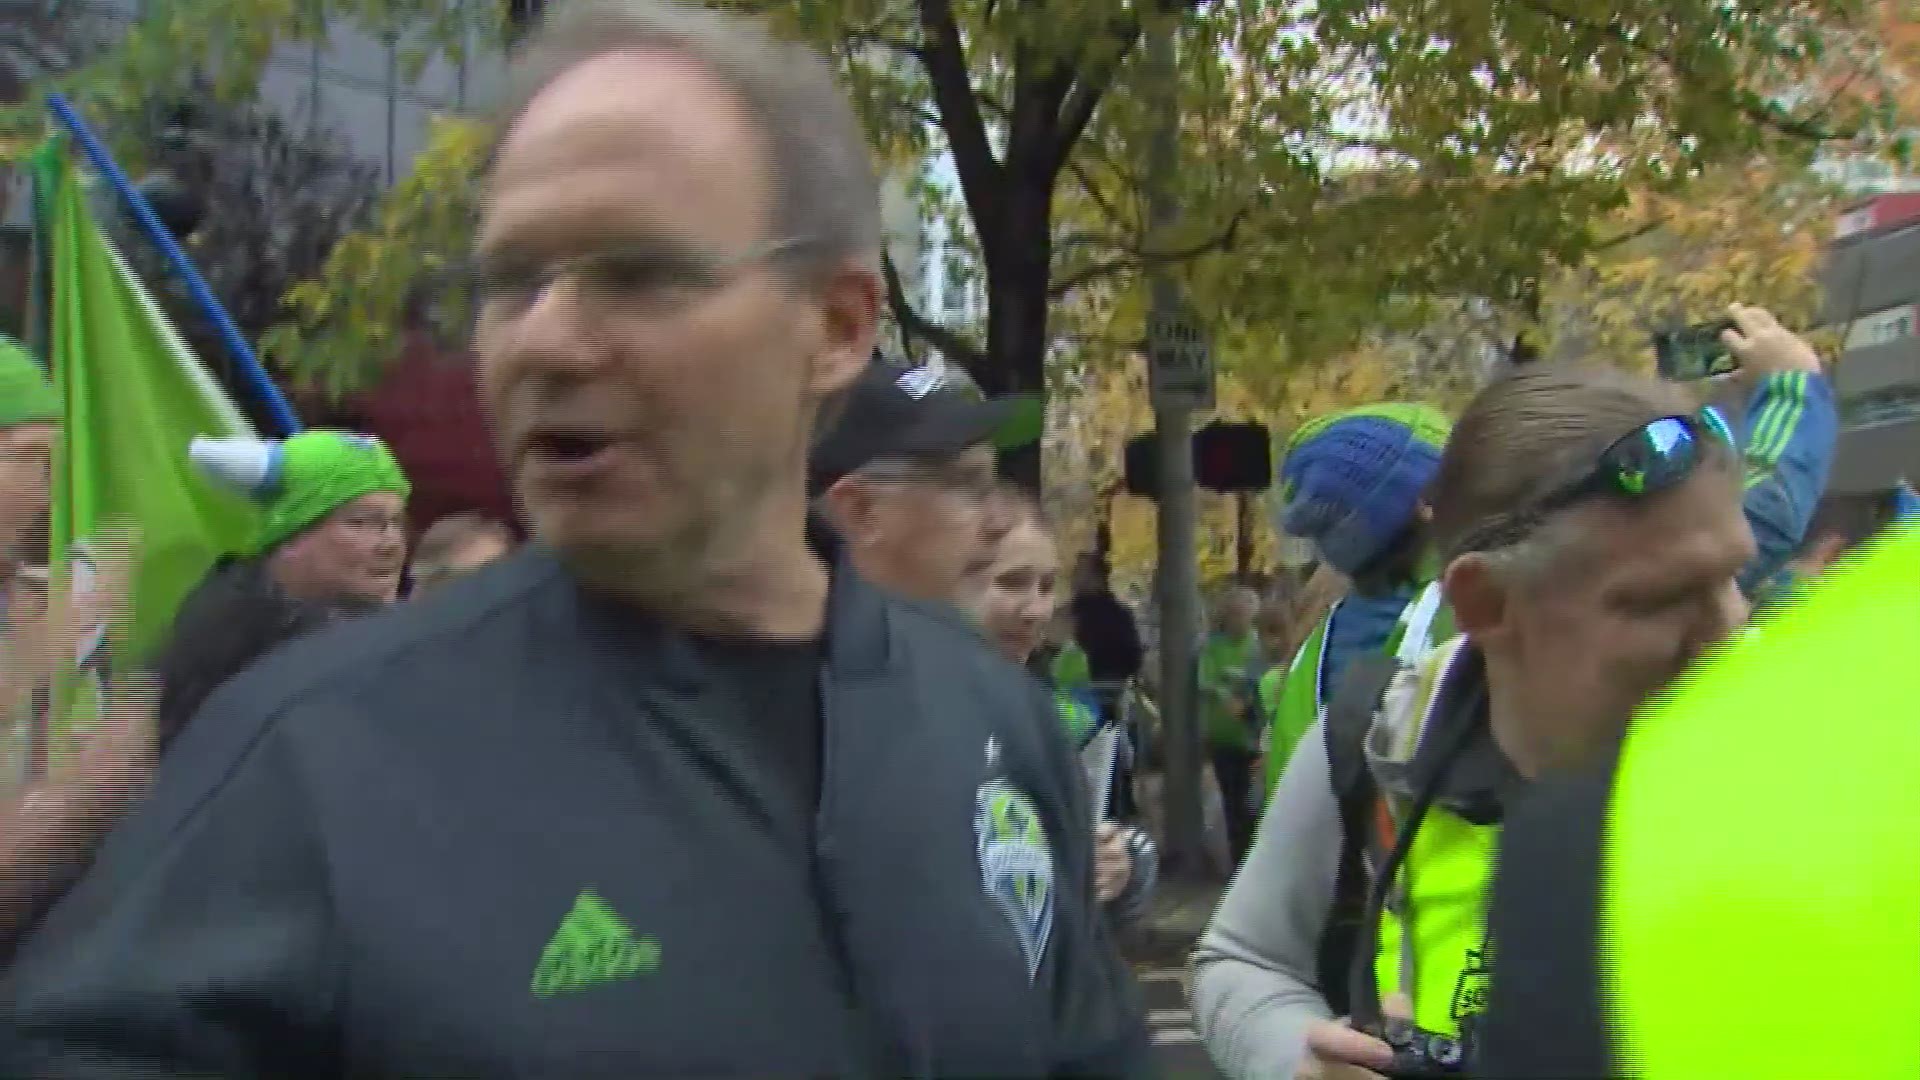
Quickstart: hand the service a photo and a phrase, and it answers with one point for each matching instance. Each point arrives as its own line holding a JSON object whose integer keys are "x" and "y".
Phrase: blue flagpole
{"x": 249, "y": 365}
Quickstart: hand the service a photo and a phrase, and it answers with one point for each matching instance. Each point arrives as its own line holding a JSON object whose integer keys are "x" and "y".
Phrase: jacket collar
{"x": 855, "y": 628}
{"x": 857, "y": 638}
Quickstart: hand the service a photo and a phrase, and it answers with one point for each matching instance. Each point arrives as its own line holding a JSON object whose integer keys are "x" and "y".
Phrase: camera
{"x": 1419, "y": 1054}
{"x": 1694, "y": 352}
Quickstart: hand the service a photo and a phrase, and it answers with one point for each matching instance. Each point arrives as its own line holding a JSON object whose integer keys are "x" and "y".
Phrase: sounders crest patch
{"x": 1016, "y": 864}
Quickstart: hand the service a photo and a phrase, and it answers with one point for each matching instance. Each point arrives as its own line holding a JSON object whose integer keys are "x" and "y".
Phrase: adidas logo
{"x": 593, "y": 946}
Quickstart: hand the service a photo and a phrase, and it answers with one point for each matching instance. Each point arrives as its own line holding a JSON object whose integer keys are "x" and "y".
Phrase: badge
{"x": 1016, "y": 865}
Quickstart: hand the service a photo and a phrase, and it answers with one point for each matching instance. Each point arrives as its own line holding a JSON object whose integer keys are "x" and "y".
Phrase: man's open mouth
{"x": 569, "y": 446}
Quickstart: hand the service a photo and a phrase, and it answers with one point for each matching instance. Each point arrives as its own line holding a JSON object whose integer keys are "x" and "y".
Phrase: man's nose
{"x": 558, "y": 333}
{"x": 393, "y": 538}
{"x": 1037, "y": 609}
{"x": 1724, "y": 614}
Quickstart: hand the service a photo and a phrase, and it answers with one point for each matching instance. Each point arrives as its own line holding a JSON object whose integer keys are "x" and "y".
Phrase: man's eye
{"x": 640, "y": 274}
{"x": 499, "y": 281}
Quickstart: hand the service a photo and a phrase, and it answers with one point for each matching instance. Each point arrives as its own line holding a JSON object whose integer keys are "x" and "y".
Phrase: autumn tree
{"x": 276, "y": 202}
{"x": 1095, "y": 409}
{"x": 271, "y": 200}
{"x": 1749, "y": 232}
{"x": 1341, "y": 162}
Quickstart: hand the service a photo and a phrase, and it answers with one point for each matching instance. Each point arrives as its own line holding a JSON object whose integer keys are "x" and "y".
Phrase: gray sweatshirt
{"x": 1255, "y": 989}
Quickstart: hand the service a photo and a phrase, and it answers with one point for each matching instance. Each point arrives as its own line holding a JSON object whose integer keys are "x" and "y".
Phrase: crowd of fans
{"x": 784, "y": 750}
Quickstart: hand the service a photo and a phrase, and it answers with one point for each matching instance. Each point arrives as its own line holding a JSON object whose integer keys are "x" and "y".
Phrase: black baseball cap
{"x": 892, "y": 411}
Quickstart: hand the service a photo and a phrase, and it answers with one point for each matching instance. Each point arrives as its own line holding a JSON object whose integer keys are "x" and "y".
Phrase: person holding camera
{"x": 1589, "y": 531}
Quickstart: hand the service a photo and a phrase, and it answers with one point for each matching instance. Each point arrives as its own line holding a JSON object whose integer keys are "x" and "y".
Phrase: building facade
{"x": 1871, "y": 283}
{"x": 355, "y": 85}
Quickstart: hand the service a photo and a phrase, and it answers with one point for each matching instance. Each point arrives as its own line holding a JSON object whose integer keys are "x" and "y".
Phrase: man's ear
{"x": 850, "y": 508}
{"x": 1478, "y": 596}
{"x": 850, "y": 321}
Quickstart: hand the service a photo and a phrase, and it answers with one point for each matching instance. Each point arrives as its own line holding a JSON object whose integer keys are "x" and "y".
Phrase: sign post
{"x": 1179, "y": 358}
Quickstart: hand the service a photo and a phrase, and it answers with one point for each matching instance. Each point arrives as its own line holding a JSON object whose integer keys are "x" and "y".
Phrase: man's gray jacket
{"x": 438, "y": 842}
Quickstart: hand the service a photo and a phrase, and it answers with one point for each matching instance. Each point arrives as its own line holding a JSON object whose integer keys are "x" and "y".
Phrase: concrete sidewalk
{"x": 1157, "y": 951}
{"x": 1183, "y": 908}
{"x": 1182, "y": 905}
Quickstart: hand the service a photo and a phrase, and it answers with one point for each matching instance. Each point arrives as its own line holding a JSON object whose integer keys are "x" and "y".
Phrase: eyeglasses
{"x": 367, "y": 521}
{"x": 970, "y": 480}
{"x": 644, "y": 279}
{"x": 1654, "y": 457}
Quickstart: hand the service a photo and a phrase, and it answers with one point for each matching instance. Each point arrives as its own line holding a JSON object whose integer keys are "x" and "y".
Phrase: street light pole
{"x": 1173, "y": 426}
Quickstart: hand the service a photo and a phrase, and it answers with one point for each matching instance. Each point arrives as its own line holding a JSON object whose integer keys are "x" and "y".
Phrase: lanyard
{"x": 1366, "y": 1001}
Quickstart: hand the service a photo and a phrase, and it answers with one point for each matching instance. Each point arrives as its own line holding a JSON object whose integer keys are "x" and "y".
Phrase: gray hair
{"x": 826, "y": 190}
{"x": 1526, "y": 435}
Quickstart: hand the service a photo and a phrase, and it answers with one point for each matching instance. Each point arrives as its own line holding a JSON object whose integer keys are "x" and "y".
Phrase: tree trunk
{"x": 1017, "y": 278}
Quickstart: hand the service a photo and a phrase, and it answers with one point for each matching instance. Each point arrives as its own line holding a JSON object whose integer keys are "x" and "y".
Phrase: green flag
{"x": 134, "y": 396}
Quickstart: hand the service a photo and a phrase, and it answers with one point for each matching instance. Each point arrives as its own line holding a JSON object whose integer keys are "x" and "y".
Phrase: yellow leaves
{"x": 1096, "y": 407}
{"x": 345, "y": 325}
{"x": 1750, "y": 232}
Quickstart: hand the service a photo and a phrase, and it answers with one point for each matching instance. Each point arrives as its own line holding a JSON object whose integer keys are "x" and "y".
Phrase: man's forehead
{"x": 1697, "y": 529}
{"x": 642, "y": 141}
{"x": 624, "y": 104}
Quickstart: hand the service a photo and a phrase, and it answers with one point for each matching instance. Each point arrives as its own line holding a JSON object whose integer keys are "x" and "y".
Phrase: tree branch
{"x": 912, "y": 323}
{"x": 1067, "y": 283}
{"x": 1083, "y": 98}
{"x": 945, "y": 61}
{"x": 852, "y": 40}
{"x": 1087, "y": 238}
{"x": 1094, "y": 194}
{"x": 1033, "y": 131}
{"x": 1644, "y": 229}
{"x": 1807, "y": 129}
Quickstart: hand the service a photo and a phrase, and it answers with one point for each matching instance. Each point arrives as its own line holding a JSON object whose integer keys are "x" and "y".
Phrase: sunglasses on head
{"x": 1654, "y": 457}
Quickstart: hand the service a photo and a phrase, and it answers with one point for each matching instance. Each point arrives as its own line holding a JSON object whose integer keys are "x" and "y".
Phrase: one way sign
{"x": 1179, "y": 359}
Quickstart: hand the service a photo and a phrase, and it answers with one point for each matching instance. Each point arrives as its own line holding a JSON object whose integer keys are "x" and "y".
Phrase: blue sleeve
{"x": 1787, "y": 445}
{"x": 1087, "y": 701}
{"x": 1906, "y": 503}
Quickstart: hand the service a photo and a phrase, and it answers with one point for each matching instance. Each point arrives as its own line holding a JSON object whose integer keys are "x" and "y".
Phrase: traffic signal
{"x": 1227, "y": 457}
{"x": 1142, "y": 465}
{"x": 1233, "y": 457}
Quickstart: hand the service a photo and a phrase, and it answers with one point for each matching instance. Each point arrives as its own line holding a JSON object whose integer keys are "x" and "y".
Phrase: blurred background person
{"x": 29, "y": 426}
{"x": 1108, "y": 638}
{"x": 1018, "y": 602}
{"x": 1652, "y": 908}
{"x": 1353, "y": 483}
{"x": 331, "y": 543}
{"x": 1590, "y": 533}
{"x": 54, "y": 811}
{"x": 905, "y": 475}
{"x": 1230, "y": 664}
{"x": 457, "y": 544}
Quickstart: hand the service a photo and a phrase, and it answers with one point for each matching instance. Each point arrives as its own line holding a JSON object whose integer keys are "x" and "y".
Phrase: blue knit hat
{"x": 1351, "y": 481}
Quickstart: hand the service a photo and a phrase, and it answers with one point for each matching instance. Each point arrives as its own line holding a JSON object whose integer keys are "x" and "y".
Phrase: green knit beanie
{"x": 300, "y": 480}
{"x": 25, "y": 394}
